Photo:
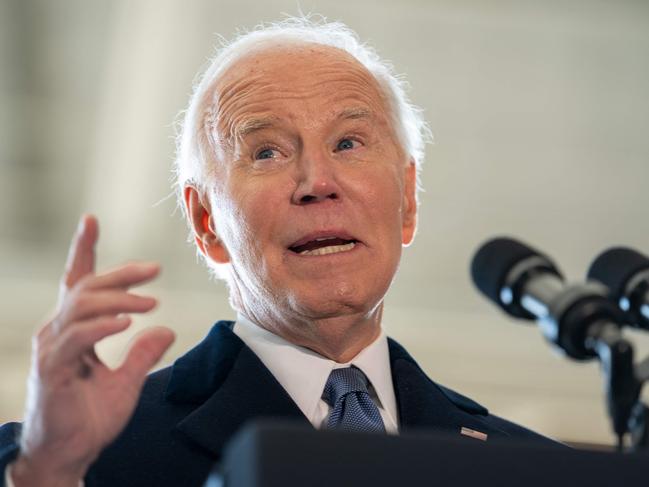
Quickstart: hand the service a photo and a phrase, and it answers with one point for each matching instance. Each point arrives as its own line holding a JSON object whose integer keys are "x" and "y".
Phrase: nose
{"x": 316, "y": 180}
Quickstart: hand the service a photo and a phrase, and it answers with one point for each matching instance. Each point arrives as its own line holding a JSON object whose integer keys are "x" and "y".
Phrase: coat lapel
{"x": 230, "y": 386}
{"x": 425, "y": 405}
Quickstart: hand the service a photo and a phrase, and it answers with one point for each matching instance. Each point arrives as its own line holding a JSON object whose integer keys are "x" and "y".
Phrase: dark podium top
{"x": 276, "y": 454}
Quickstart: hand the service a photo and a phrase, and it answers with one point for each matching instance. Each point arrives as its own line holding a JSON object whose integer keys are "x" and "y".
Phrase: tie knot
{"x": 343, "y": 381}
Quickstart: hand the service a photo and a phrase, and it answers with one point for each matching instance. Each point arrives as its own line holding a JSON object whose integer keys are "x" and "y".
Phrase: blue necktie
{"x": 352, "y": 408}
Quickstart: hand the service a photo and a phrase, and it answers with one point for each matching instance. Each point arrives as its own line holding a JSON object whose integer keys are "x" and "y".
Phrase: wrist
{"x": 29, "y": 472}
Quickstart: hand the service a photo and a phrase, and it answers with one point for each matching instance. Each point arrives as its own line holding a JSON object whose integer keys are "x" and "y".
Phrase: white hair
{"x": 194, "y": 142}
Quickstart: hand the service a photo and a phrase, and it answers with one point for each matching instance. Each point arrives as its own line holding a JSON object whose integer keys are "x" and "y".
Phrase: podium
{"x": 282, "y": 454}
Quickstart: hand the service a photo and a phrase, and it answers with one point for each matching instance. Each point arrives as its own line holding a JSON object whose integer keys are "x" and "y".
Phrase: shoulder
{"x": 423, "y": 403}
{"x": 508, "y": 427}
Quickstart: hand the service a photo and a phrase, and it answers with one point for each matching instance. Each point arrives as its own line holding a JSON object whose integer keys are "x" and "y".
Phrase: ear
{"x": 202, "y": 222}
{"x": 409, "y": 210}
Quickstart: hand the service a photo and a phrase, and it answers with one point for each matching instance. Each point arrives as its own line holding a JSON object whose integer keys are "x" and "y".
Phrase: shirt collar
{"x": 303, "y": 373}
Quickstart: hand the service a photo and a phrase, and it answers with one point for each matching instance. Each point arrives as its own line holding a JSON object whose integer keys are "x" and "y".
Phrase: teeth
{"x": 331, "y": 249}
{"x": 324, "y": 238}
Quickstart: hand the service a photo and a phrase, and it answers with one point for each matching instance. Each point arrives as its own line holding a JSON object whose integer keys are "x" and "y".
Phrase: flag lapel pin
{"x": 478, "y": 435}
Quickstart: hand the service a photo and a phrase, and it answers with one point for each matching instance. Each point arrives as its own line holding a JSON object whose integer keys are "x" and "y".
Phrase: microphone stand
{"x": 639, "y": 420}
{"x": 585, "y": 324}
{"x": 623, "y": 384}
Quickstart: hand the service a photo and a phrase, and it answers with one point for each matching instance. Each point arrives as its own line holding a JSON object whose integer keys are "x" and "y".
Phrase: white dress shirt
{"x": 303, "y": 373}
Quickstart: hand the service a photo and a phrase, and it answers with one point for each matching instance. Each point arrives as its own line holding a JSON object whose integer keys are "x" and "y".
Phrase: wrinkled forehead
{"x": 292, "y": 70}
{"x": 278, "y": 58}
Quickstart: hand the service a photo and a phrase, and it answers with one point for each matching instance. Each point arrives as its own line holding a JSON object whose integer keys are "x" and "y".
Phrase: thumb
{"x": 145, "y": 352}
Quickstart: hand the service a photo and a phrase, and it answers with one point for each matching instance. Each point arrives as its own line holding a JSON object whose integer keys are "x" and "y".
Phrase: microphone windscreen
{"x": 614, "y": 268}
{"x": 493, "y": 261}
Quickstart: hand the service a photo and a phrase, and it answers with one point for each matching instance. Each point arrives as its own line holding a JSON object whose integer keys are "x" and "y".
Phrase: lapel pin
{"x": 478, "y": 435}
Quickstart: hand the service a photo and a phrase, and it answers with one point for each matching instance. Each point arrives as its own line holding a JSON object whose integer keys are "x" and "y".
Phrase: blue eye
{"x": 345, "y": 144}
{"x": 265, "y": 154}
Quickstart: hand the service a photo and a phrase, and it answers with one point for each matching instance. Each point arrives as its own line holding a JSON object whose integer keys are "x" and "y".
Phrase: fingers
{"x": 145, "y": 352}
{"x": 94, "y": 304}
{"x": 81, "y": 257}
{"x": 75, "y": 341}
{"x": 106, "y": 294}
{"x": 126, "y": 276}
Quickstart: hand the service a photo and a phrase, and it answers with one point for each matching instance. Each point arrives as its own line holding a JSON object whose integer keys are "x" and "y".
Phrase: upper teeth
{"x": 331, "y": 249}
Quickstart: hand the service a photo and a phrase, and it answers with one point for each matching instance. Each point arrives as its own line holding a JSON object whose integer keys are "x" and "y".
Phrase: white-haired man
{"x": 297, "y": 167}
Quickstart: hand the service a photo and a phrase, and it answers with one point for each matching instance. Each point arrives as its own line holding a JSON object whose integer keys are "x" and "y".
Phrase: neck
{"x": 339, "y": 338}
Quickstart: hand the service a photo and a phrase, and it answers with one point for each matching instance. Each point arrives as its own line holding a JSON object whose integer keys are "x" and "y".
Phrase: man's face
{"x": 313, "y": 196}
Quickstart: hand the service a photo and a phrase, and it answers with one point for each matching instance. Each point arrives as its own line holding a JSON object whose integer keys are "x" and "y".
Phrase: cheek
{"x": 386, "y": 200}
{"x": 251, "y": 215}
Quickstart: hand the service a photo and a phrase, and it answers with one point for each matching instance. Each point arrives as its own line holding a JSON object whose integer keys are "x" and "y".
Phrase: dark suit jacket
{"x": 187, "y": 413}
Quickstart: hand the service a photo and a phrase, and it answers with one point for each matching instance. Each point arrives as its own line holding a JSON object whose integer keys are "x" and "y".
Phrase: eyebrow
{"x": 251, "y": 125}
{"x": 355, "y": 113}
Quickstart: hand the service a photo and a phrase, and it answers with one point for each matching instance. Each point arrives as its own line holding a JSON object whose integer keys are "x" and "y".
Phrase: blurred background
{"x": 540, "y": 112}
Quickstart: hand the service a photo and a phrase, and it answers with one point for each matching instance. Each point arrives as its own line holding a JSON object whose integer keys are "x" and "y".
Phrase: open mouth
{"x": 323, "y": 246}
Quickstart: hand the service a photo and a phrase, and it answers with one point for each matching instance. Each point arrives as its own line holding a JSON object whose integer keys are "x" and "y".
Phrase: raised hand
{"x": 76, "y": 405}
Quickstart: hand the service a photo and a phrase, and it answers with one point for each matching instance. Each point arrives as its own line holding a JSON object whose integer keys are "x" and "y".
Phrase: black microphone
{"x": 579, "y": 319}
{"x": 626, "y": 273}
{"x": 527, "y": 284}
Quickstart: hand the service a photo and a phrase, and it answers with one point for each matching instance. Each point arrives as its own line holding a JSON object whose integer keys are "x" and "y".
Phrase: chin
{"x": 341, "y": 301}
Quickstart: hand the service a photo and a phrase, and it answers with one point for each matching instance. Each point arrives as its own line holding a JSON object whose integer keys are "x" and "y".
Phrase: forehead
{"x": 307, "y": 80}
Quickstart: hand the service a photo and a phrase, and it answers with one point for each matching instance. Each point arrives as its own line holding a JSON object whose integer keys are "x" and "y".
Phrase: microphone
{"x": 626, "y": 273}
{"x": 527, "y": 284}
{"x": 579, "y": 319}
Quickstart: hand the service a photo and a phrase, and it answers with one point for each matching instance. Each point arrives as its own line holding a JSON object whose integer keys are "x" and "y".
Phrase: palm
{"x": 103, "y": 404}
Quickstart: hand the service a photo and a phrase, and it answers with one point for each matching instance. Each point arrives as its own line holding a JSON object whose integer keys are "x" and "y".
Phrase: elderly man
{"x": 297, "y": 167}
